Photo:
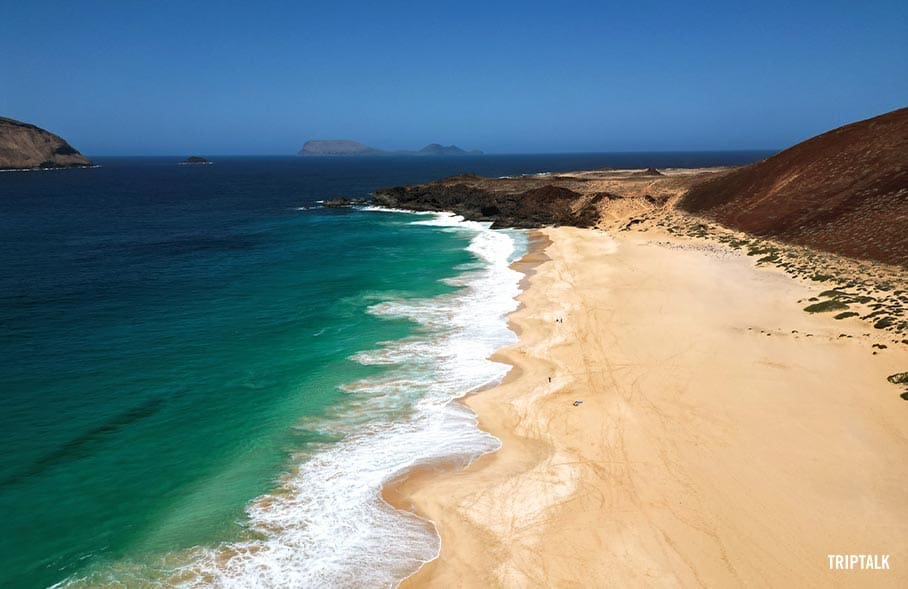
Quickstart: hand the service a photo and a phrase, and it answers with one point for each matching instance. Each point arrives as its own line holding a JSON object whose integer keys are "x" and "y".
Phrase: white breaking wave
{"x": 327, "y": 526}
{"x": 50, "y": 169}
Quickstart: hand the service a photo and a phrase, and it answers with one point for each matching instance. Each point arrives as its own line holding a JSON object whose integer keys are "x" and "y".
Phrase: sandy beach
{"x": 725, "y": 437}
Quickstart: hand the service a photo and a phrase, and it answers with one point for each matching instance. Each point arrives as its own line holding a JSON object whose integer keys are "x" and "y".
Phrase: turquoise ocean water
{"x": 206, "y": 378}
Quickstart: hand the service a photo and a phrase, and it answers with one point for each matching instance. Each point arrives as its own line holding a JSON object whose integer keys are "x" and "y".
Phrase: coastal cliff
{"x": 26, "y": 147}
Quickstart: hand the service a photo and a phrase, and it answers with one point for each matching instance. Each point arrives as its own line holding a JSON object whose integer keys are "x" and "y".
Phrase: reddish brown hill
{"x": 844, "y": 191}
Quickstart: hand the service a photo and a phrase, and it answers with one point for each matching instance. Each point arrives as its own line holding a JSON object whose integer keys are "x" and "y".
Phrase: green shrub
{"x": 825, "y": 307}
{"x": 884, "y": 323}
{"x": 846, "y": 315}
{"x": 898, "y": 378}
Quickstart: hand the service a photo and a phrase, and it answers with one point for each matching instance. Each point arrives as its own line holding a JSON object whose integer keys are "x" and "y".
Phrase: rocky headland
{"x": 27, "y": 147}
{"x": 608, "y": 199}
{"x": 338, "y": 202}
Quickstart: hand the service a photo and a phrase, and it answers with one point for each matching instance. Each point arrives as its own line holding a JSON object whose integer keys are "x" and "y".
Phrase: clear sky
{"x": 263, "y": 77}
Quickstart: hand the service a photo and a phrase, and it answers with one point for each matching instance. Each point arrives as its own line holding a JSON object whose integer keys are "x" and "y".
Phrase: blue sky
{"x": 262, "y": 78}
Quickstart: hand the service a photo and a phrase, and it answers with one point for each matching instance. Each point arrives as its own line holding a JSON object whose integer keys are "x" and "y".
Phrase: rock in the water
{"x": 341, "y": 201}
{"x": 195, "y": 159}
{"x": 27, "y": 147}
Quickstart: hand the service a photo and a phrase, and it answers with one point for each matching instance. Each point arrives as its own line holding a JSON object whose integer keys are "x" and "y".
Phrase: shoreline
{"x": 397, "y": 492}
{"x": 562, "y": 468}
{"x": 394, "y": 492}
{"x": 324, "y": 522}
{"x": 51, "y": 169}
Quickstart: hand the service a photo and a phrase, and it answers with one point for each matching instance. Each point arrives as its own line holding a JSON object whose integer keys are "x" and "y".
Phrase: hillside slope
{"x": 25, "y": 146}
{"x": 845, "y": 191}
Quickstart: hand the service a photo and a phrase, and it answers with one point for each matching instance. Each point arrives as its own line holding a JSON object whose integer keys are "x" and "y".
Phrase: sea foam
{"x": 326, "y": 525}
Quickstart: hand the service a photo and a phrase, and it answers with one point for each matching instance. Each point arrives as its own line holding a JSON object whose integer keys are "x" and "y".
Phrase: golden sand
{"x": 725, "y": 438}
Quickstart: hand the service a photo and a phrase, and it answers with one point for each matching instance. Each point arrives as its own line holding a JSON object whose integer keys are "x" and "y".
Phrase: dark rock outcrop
{"x": 464, "y": 195}
{"x": 845, "y": 191}
{"x": 342, "y": 201}
{"x": 194, "y": 160}
{"x": 28, "y": 147}
{"x": 650, "y": 172}
{"x": 607, "y": 199}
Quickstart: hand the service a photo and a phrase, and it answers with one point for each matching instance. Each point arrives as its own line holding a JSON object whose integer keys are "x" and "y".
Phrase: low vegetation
{"x": 900, "y": 378}
{"x": 846, "y": 315}
{"x": 874, "y": 292}
{"x": 826, "y": 306}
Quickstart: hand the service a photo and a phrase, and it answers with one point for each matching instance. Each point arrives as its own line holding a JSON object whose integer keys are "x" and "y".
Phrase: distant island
{"x": 27, "y": 147}
{"x": 194, "y": 160}
{"x": 345, "y": 147}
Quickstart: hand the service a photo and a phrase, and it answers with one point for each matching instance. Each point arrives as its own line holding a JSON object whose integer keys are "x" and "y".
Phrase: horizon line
{"x": 431, "y": 157}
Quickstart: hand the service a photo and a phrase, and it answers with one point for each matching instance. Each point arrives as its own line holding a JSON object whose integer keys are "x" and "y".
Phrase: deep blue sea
{"x": 205, "y": 377}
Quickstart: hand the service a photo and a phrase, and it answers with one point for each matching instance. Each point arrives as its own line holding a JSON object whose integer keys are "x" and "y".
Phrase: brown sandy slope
{"x": 845, "y": 191}
{"x": 25, "y": 146}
